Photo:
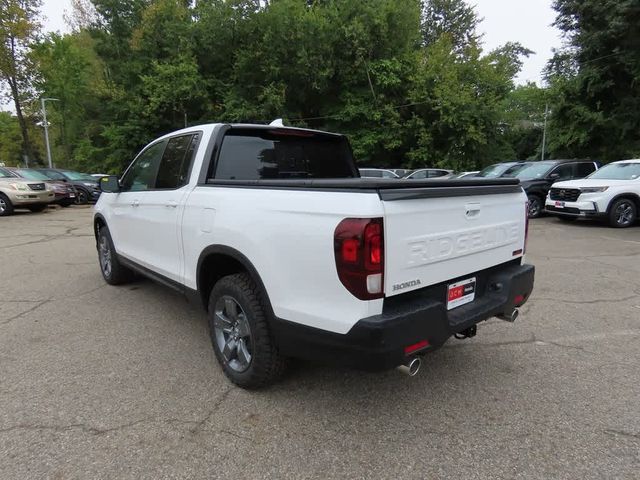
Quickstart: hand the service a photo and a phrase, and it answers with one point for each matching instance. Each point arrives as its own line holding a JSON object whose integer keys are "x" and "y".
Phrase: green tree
{"x": 19, "y": 28}
{"x": 597, "y": 80}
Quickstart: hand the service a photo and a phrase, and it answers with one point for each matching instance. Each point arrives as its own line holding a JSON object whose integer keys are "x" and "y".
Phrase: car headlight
{"x": 593, "y": 189}
{"x": 19, "y": 186}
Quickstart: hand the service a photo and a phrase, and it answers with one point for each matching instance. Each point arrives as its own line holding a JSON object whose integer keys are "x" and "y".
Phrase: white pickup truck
{"x": 294, "y": 255}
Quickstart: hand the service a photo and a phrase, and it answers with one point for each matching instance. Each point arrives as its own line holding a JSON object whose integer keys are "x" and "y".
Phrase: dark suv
{"x": 86, "y": 186}
{"x": 537, "y": 177}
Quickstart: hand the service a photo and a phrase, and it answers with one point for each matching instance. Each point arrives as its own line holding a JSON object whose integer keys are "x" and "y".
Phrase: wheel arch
{"x": 98, "y": 222}
{"x": 218, "y": 261}
{"x": 632, "y": 196}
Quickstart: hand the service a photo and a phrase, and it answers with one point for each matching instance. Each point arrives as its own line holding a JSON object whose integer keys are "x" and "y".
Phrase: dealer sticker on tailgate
{"x": 461, "y": 293}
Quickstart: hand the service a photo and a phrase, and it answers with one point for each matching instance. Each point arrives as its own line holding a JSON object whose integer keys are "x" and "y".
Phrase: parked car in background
{"x": 65, "y": 193}
{"x": 377, "y": 173}
{"x": 612, "y": 192}
{"x": 20, "y": 193}
{"x": 87, "y": 189}
{"x": 424, "y": 173}
{"x": 464, "y": 174}
{"x": 536, "y": 178}
{"x": 401, "y": 172}
{"x": 498, "y": 170}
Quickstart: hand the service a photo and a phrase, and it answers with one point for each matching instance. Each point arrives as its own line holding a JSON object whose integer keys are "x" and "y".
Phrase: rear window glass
{"x": 248, "y": 154}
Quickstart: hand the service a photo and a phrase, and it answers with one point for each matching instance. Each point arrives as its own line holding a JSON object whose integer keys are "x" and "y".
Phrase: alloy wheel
{"x": 534, "y": 207}
{"x": 232, "y": 333}
{"x": 3, "y": 205}
{"x": 624, "y": 213}
{"x": 105, "y": 256}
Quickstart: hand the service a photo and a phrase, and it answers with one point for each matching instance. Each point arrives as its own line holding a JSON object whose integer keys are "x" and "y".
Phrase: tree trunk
{"x": 26, "y": 144}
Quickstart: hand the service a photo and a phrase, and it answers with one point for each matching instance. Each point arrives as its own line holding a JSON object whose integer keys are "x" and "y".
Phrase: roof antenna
{"x": 277, "y": 123}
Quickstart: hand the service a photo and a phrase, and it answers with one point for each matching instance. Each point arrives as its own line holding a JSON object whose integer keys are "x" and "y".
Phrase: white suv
{"x": 612, "y": 192}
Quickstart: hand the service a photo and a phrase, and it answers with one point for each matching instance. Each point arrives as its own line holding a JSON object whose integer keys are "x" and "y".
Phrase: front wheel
{"x": 113, "y": 272}
{"x": 82, "y": 197}
{"x": 6, "y": 207}
{"x": 535, "y": 206}
{"x": 622, "y": 213}
{"x": 240, "y": 333}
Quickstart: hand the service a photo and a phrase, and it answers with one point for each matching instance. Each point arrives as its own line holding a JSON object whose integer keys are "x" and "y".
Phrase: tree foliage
{"x": 595, "y": 80}
{"x": 407, "y": 80}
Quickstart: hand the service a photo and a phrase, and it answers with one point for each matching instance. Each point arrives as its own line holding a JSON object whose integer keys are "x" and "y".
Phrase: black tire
{"x": 82, "y": 197}
{"x": 623, "y": 213}
{"x": 37, "y": 208}
{"x": 536, "y": 206}
{"x": 6, "y": 207}
{"x": 266, "y": 365}
{"x": 116, "y": 274}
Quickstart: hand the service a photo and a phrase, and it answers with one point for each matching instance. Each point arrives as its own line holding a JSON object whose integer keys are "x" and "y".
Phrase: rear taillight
{"x": 359, "y": 252}
{"x": 526, "y": 226}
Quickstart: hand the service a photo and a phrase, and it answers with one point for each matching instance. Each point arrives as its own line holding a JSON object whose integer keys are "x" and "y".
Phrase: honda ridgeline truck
{"x": 292, "y": 254}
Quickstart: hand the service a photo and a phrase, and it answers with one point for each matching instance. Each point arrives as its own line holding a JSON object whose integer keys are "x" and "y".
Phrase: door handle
{"x": 171, "y": 204}
{"x": 135, "y": 203}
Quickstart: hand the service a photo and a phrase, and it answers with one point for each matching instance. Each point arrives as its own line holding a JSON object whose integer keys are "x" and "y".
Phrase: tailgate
{"x": 431, "y": 240}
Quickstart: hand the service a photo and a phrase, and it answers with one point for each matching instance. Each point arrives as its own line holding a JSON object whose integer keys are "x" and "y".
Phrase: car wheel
{"x": 82, "y": 197}
{"x": 113, "y": 271}
{"x": 535, "y": 206}
{"x": 622, "y": 213}
{"x": 6, "y": 207}
{"x": 37, "y": 208}
{"x": 240, "y": 333}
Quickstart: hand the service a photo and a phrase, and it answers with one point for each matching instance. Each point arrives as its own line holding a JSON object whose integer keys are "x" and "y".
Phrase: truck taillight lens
{"x": 359, "y": 252}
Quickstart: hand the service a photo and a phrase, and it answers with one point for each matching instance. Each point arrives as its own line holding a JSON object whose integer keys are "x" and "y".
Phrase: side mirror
{"x": 110, "y": 184}
{"x": 554, "y": 176}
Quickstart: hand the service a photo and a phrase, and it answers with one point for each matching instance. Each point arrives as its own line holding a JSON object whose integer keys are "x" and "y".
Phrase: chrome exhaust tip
{"x": 511, "y": 317}
{"x": 411, "y": 367}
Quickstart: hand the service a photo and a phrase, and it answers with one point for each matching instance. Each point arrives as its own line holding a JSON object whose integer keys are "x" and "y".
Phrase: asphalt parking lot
{"x": 121, "y": 382}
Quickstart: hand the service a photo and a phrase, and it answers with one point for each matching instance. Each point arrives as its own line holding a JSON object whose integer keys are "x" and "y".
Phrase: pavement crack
{"x": 199, "y": 424}
{"x": 586, "y": 302}
{"x": 27, "y": 311}
{"x": 81, "y": 426}
{"x": 610, "y": 431}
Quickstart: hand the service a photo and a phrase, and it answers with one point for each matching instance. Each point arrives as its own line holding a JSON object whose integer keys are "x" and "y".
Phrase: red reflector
{"x": 350, "y": 250}
{"x": 518, "y": 299}
{"x": 415, "y": 347}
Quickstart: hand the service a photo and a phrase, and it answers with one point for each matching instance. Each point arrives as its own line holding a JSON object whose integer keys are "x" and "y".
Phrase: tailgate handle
{"x": 472, "y": 210}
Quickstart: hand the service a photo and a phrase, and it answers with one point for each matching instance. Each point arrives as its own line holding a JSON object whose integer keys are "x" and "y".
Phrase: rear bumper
{"x": 378, "y": 342}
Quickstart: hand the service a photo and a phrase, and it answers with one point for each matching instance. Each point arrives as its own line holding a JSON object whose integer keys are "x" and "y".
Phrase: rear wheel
{"x": 113, "y": 271}
{"x": 37, "y": 208}
{"x": 535, "y": 206}
{"x": 623, "y": 213}
{"x": 6, "y": 207}
{"x": 82, "y": 197}
{"x": 240, "y": 333}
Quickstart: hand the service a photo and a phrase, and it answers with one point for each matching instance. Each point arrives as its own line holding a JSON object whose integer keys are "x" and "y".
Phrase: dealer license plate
{"x": 461, "y": 293}
{"x": 559, "y": 204}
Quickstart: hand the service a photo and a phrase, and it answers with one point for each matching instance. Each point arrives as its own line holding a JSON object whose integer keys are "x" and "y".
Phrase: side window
{"x": 565, "y": 171}
{"x": 419, "y": 175}
{"x": 176, "y": 162}
{"x": 436, "y": 173}
{"x": 386, "y": 174}
{"x": 141, "y": 175}
{"x": 585, "y": 168}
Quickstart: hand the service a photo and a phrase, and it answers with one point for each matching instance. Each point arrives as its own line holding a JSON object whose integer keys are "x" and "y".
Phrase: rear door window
{"x": 256, "y": 154}
{"x": 176, "y": 162}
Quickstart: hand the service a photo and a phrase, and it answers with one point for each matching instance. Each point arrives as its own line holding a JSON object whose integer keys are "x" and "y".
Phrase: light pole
{"x": 46, "y": 127}
{"x": 544, "y": 131}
